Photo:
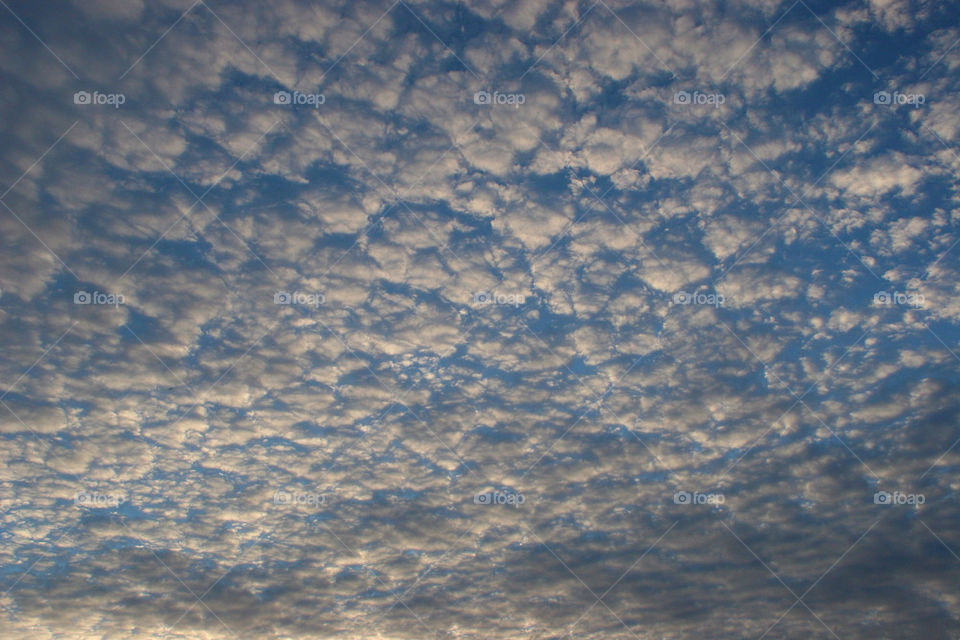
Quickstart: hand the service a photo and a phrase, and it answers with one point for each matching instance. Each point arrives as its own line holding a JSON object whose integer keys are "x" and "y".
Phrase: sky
{"x": 488, "y": 320}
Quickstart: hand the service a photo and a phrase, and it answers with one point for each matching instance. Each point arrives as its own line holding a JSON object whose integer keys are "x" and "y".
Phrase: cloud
{"x": 345, "y": 323}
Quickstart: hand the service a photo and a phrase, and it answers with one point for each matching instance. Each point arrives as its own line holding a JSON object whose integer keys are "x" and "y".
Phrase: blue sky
{"x": 536, "y": 319}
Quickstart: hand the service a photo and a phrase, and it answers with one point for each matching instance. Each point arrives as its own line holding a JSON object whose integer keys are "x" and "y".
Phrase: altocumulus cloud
{"x": 479, "y": 320}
